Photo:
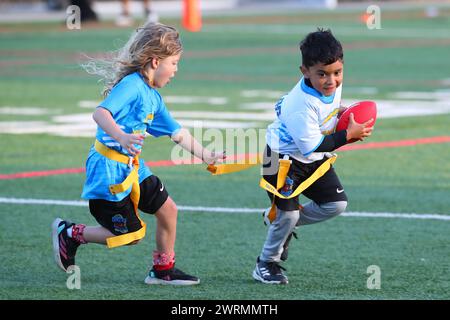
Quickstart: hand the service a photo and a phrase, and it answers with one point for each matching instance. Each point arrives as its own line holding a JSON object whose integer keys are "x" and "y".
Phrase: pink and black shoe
{"x": 172, "y": 276}
{"x": 64, "y": 247}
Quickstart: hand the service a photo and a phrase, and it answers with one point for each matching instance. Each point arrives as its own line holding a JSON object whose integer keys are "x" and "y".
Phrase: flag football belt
{"x": 132, "y": 180}
{"x": 283, "y": 169}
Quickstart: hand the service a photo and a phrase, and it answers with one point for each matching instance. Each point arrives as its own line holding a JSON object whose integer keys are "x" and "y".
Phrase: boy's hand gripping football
{"x": 357, "y": 130}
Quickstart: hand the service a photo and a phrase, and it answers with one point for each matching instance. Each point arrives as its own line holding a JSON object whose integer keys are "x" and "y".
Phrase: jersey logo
{"x": 330, "y": 116}
{"x": 287, "y": 188}
{"x": 278, "y": 106}
{"x": 149, "y": 117}
{"x": 120, "y": 223}
{"x": 284, "y": 134}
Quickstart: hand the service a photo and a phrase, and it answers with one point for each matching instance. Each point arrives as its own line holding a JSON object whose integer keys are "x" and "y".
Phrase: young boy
{"x": 304, "y": 133}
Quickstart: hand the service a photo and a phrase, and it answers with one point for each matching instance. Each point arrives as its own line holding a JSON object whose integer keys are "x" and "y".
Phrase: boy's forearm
{"x": 333, "y": 141}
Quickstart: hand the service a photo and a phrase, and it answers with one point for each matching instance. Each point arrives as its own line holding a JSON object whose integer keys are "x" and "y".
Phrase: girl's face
{"x": 164, "y": 70}
{"x": 325, "y": 78}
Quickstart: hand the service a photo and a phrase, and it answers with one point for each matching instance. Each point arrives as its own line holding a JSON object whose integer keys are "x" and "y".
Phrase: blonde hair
{"x": 153, "y": 40}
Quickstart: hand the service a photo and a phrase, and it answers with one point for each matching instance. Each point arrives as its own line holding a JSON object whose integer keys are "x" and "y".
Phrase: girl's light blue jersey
{"x": 304, "y": 118}
{"x": 136, "y": 108}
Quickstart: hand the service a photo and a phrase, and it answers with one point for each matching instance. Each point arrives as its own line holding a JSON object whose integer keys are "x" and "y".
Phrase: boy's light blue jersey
{"x": 136, "y": 108}
{"x": 304, "y": 118}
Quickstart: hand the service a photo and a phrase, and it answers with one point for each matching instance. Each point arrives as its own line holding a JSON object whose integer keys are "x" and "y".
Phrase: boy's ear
{"x": 305, "y": 71}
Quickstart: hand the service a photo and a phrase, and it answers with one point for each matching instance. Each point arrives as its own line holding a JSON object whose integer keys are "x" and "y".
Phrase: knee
{"x": 334, "y": 208}
{"x": 172, "y": 208}
{"x": 168, "y": 211}
{"x": 289, "y": 217}
{"x": 340, "y": 207}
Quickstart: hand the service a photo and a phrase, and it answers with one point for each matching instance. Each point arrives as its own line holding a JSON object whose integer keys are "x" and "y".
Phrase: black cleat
{"x": 269, "y": 272}
{"x": 171, "y": 276}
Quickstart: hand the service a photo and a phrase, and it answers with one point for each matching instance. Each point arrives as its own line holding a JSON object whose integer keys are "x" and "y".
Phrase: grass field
{"x": 241, "y": 60}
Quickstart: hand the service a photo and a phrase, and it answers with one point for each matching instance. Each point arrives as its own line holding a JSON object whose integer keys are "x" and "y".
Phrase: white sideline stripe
{"x": 397, "y": 215}
{"x": 233, "y": 210}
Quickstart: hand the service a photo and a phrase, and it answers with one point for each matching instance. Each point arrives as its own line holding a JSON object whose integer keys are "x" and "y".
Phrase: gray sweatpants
{"x": 286, "y": 221}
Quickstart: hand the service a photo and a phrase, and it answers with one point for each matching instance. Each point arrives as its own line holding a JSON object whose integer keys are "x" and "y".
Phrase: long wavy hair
{"x": 153, "y": 40}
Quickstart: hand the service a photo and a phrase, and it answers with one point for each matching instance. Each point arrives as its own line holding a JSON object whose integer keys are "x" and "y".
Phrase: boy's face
{"x": 165, "y": 69}
{"x": 325, "y": 78}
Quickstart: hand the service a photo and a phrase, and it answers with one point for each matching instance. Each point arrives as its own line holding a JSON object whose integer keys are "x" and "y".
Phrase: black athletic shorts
{"x": 119, "y": 217}
{"x": 327, "y": 188}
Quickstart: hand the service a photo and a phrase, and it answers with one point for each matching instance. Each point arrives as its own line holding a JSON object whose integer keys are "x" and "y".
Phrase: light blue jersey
{"x": 136, "y": 108}
{"x": 304, "y": 118}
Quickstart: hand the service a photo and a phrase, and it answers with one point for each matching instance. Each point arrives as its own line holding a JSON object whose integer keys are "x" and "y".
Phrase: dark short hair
{"x": 320, "y": 47}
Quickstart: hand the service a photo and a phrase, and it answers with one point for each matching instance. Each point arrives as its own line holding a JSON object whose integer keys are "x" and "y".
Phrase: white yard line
{"x": 254, "y": 114}
{"x": 216, "y": 124}
{"x": 24, "y": 111}
{"x": 213, "y": 101}
{"x": 231, "y": 210}
{"x": 443, "y": 95}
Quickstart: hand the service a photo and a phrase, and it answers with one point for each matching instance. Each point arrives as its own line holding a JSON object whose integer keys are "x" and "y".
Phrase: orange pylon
{"x": 192, "y": 17}
{"x": 364, "y": 18}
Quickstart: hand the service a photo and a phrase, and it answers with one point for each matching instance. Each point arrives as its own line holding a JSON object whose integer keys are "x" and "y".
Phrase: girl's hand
{"x": 358, "y": 131}
{"x": 211, "y": 157}
{"x": 128, "y": 140}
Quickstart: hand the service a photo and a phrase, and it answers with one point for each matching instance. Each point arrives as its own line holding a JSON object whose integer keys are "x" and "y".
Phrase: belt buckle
{"x": 130, "y": 162}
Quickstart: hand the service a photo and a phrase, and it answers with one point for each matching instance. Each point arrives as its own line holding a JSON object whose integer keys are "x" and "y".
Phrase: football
{"x": 362, "y": 111}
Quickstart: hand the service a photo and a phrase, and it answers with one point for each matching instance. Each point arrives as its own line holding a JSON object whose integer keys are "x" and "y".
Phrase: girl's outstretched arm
{"x": 184, "y": 138}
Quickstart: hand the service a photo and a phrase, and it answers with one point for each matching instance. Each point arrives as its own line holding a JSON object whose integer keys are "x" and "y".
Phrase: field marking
{"x": 193, "y": 160}
{"x": 257, "y": 114}
{"x": 24, "y": 111}
{"x": 82, "y": 203}
{"x": 214, "y": 101}
{"x": 223, "y": 115}
{"x": 394, "y": 144}
{"x": 214, "y": 124}
{"x": 83, "y": 121}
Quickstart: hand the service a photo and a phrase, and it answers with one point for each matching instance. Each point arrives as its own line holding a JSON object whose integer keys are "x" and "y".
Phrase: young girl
{"x": 118, "y": 182}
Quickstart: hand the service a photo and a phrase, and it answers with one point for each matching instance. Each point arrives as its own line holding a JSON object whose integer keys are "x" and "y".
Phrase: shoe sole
{"x": 257, "y": 277}
{"x": 55, "y": 238}
{"x": 149, "y": 280}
